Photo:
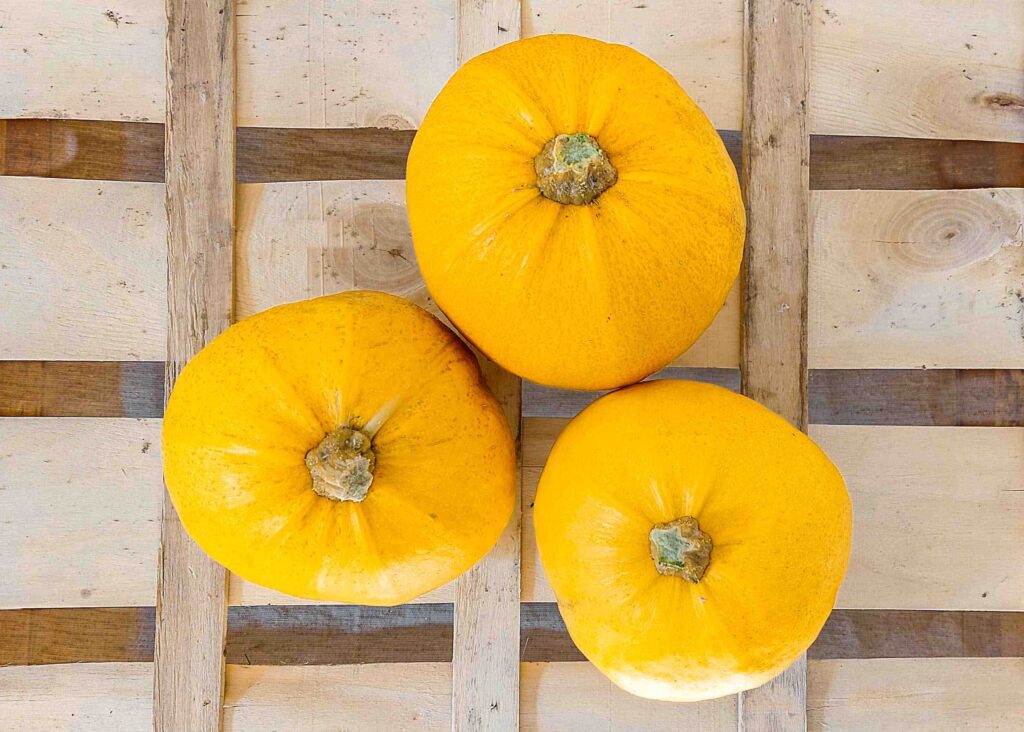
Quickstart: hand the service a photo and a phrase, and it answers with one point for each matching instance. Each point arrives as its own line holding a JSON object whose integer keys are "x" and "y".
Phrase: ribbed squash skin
{"x": 773, "y": 504}
{"x": 588, "y": 297}
{"x": 246, "y": 410}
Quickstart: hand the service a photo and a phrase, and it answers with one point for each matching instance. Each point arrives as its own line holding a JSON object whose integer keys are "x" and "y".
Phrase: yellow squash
{"x": 694, "y": 539}
{"x": 343, "y": 448}
{"x": 573, "y": 211}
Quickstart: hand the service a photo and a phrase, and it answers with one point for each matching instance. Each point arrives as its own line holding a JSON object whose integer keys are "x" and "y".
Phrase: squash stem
{"x": 680, "y": 549}
{"x": 573, "y": 169}
{"x": 341, "y": 466}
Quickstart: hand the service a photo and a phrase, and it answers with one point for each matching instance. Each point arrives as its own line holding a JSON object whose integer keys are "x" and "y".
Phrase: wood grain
{"x": 286, "y": 635}
{"x": 82, "y": 389}
{"x": 773, "y": 361}
{"x": 912, "y": 397}
{"x": 133, "y": 151}
{"x": 916, "y": 695}
{"x": 485, "y": 655}
{"x": 191, "y": 609}
{"x": 79, "y": 499}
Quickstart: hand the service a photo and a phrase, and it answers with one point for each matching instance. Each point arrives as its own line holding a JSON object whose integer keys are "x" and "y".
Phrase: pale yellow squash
{"x": 414, "y": 463}
{"x": 694, "y": 539}
{"x": 573, "y": 211}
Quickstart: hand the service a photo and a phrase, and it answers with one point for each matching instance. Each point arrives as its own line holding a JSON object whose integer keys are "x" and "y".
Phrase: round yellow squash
{"x": 694, "y": 539}
{"x": 343, "y": 448}
{"x": 573, "y": 211}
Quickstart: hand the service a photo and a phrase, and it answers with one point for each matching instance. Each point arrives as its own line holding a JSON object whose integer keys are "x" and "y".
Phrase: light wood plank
{"x": 576, "y": 696}
{"x": 773, "y": 360}
{"x": 241, "y": 592}
{"x": 79, "y": 499}
{"x": 390, "y": 696}
{"x": 76, "y": 697}
{"x": 905, "y": 279}
{"x": 191, "y": 609}
{"x": 937, "y": 512}
{"x": 916, "y": 695}
{"x": 82, "y": 270}
{"x": 485, "y": 648}
{"x": 938, "y": 515}
{"x": 919, "y": 68}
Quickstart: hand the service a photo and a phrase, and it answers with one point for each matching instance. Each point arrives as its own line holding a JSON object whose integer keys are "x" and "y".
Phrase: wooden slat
{"x": 76, "y": 697}
{"x": 485, "y": 651}
{"x": 911, "y": 279}
{"x": 83, "y": 273}
{"x": 133, "y": 151}
{"x": 916, "y": 695}
{"x": 918, "y": 69}
{"x": 291, "y": 635}
{"x": 78, "y": 501}
{"x": 191, "y": 609}
{"x": 576, "y": 696}
{"x": 773, "y": 361}
{"x": 81, "y": 389}
{"x": 911, "y": 397}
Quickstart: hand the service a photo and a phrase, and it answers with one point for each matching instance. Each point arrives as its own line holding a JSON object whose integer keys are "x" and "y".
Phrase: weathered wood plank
{"x": 133, "y": 151}
{"x": 82, "y": 271}
{"x": 295, "y": 635}
{"x": 81, "y": 389}
{"x": 911, "y": 279}
{"x": 910, "y": 397}
{"x": 916, "y": 695}
{"x": 773, "y": 361}
{"x": 191, "y": 609}
{"x": 485, "y": 651}
{"x": 78, "y": 501}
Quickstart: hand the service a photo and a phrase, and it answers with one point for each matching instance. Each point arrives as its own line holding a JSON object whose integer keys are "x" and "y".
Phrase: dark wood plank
{"x": 287, "y": 635}
{"x": 133, "y": 151}
{"x": 916, "y": 397}
{"x": 267, "y": 155}
{"x": 901, "y": 163}
{"x": 81, "y": 388}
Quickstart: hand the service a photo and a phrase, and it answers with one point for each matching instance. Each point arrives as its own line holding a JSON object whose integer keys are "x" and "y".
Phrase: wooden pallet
{"x": 903, "y": 340}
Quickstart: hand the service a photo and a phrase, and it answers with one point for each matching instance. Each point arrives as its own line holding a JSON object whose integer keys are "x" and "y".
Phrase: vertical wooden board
{"x": 76, "y": 697}
{"x": 82, "y": 269}
{"x": 938, "y": 515}
{"x": 88, "y": 59}
{"x": 485, "y": 648}
{"x": 916, "y": 694}
{"x": 773, "y": 364}
{"x": 301, "y": 240}
{"x": 918, "y": 68}
{"x": 575, "y": 696}
{"x": 191, "y": 602}
{"x": 338, "y": 63}
{"x": 79, "y": 501}
{"x": 697, "y": 41}
{"x": 905, "y": 279}
{"x": 389, "y": 696}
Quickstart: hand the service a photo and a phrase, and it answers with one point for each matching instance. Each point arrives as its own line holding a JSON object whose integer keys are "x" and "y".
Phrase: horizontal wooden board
{"x": 79, "y": 499}
{"x": 82, "y": 270}
{"x": 903, "y": 279}
{"x": 911, "y": 69}
{"x": 76, "y": 697}
{"x": 916, "y": 695}
{"x": 911, "y": 694}
{"x": 898, "y": 279}
{"x": 937, "y": 511}
{"x": 81, "y": 389}
{"x": 917, "y": 397}
{"x": 294, "y": 635}
{"x": 133, "y": 151}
